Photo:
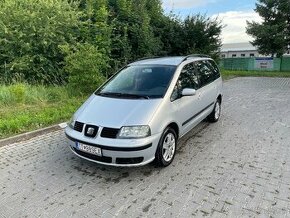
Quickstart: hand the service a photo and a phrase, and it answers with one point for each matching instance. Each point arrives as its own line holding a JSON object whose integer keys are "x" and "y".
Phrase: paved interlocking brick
{"x": 238, "y": 167}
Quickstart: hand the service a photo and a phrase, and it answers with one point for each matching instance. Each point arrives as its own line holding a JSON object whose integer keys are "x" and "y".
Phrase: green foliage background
{"x": 30, "y": 34}
{"x": 272, "y": 35}
{"x": 83, "y": 42}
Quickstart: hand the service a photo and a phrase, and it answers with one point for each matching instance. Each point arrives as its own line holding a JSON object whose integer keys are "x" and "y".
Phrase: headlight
{"x": 71, "y": 123}
{"x": 134, "y": 132}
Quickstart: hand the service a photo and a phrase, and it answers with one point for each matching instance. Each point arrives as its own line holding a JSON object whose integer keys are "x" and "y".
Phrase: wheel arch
{"x": 175, "y": 127}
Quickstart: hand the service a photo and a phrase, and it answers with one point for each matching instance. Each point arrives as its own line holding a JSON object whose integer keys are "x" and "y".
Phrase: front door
{"x": 188, "y": 106}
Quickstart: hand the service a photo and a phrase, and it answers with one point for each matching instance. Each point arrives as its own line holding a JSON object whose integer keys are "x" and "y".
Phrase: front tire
{"x": 166, "y": 148}
{"x": 216, "y": 113}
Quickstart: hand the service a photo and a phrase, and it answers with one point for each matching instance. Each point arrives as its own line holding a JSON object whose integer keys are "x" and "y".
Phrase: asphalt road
{"x": 239, "y": 166}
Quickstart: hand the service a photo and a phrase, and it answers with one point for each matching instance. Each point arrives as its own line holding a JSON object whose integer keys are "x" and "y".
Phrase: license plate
{"x": 90, "y": 149}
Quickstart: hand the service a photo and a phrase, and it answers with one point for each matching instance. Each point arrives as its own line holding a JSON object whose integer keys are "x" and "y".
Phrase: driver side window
{"x": 187, "y": 79}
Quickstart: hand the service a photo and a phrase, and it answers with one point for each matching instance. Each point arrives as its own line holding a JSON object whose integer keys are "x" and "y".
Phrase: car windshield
{"x": 139, "y": 81}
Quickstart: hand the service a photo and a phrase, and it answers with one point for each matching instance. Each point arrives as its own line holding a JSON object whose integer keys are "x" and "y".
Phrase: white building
{"x": 238, "y": 50}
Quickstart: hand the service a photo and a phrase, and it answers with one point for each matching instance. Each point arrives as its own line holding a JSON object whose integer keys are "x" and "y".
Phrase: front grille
{"x": 91, "y": 131}
{"x": 78, "y": 126}
{"x": 109, "y": 133}
{"x": 133, "y": 160}
{"x": 94, "y": 157}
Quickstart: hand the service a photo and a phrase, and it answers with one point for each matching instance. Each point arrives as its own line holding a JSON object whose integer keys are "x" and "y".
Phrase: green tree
{"x": 85, "y": 65}
{"x": 170, "y": 33}
{"x": 201, "y": 35}
{"x": 87, "y": 62}
{"x": 30, "y": 34}
{"x": 133, "y": 36}
{"x": 272, "y": 35}
{"x": 194, "y": 34}
{"x": 95, "y": 28}
{"x": 85, "y": 41}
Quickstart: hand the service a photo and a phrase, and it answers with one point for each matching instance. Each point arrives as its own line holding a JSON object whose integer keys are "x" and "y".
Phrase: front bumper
{"x": 115, "y": 152}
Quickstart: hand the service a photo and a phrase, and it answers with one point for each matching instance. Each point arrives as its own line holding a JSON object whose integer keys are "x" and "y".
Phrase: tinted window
{"x": 214, "y": 68}
{"x": 143, "y": 80}
{"x": 188, "y": 79}
{"x": 207, "y": 72}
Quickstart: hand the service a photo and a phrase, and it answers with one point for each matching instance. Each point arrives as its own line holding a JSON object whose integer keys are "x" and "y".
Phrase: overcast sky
{"x": 233, "y": 14}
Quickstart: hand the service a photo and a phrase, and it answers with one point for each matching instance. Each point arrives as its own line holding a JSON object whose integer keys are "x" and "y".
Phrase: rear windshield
{"x": 139, "y": 81}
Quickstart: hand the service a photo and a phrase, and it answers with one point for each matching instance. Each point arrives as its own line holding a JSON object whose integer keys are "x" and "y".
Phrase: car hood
{"x": 116, "y": 112}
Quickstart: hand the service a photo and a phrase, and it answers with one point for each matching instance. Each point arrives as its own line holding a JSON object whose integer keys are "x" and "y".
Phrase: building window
{"x": 243, "y": 55}
{"x": 252, "y": 55}
{"x": 223, "y": 55}
{"x": 234, "y": 55}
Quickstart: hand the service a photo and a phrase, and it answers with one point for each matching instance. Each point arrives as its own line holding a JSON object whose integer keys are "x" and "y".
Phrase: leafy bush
{"x": 86, "y": 67}
{"x": 30, "y": 34}
{"x": 45, "y": 41}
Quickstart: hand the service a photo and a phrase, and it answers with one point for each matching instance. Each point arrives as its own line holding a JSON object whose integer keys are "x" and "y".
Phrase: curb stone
{"x": 32, "y": 134}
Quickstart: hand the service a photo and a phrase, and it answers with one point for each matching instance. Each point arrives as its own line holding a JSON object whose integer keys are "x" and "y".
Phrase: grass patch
{"x": 25, "y": 107}
{"x": 229, "y": 74}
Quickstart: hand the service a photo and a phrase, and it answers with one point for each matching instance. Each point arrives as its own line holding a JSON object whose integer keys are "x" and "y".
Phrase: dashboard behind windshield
{"x": 139, "y": 81}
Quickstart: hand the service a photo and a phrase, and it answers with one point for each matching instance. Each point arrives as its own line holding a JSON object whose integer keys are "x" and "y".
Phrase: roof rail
{"x": 145, "y": 58}
{"x": 195, "y": 56}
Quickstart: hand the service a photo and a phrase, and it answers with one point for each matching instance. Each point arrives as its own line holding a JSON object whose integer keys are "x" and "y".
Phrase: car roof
{"x": 174, "y": 61}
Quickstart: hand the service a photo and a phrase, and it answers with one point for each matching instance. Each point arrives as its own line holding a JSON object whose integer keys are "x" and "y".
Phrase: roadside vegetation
{"x": 230, "y": 74}
{"x": 80, "y": 43}
{"x": 25, "y": 107}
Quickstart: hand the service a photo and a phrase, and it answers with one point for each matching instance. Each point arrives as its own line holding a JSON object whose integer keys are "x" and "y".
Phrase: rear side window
{"x": 207, "y": 72}
{"x": 214, "y": 68}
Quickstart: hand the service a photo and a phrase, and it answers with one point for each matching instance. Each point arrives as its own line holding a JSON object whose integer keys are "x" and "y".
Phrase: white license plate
{"x": 90, "y": 149}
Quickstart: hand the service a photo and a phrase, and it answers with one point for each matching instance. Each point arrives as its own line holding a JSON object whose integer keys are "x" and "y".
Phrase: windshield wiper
{"x": 134, "y": 95}
{"x": 109, "y": 93}
{"x": 126, "y": 95}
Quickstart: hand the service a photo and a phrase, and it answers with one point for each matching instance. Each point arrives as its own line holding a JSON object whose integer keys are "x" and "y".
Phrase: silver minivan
{"x": 139, "y": 114}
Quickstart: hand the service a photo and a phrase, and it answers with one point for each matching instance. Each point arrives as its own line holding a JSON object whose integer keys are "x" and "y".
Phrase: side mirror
{"x": 188, "y": 92}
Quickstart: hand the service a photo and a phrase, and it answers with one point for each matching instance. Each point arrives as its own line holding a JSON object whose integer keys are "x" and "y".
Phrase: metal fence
{"x": 256, "y": 64}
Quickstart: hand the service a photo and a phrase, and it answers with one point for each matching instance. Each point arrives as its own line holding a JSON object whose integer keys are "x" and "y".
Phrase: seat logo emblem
{"x": 90, "y": 131}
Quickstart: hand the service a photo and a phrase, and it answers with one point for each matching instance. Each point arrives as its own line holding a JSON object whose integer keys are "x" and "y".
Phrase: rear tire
{"x": 166, "y": 148}
{"x": 216, "y": 112}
